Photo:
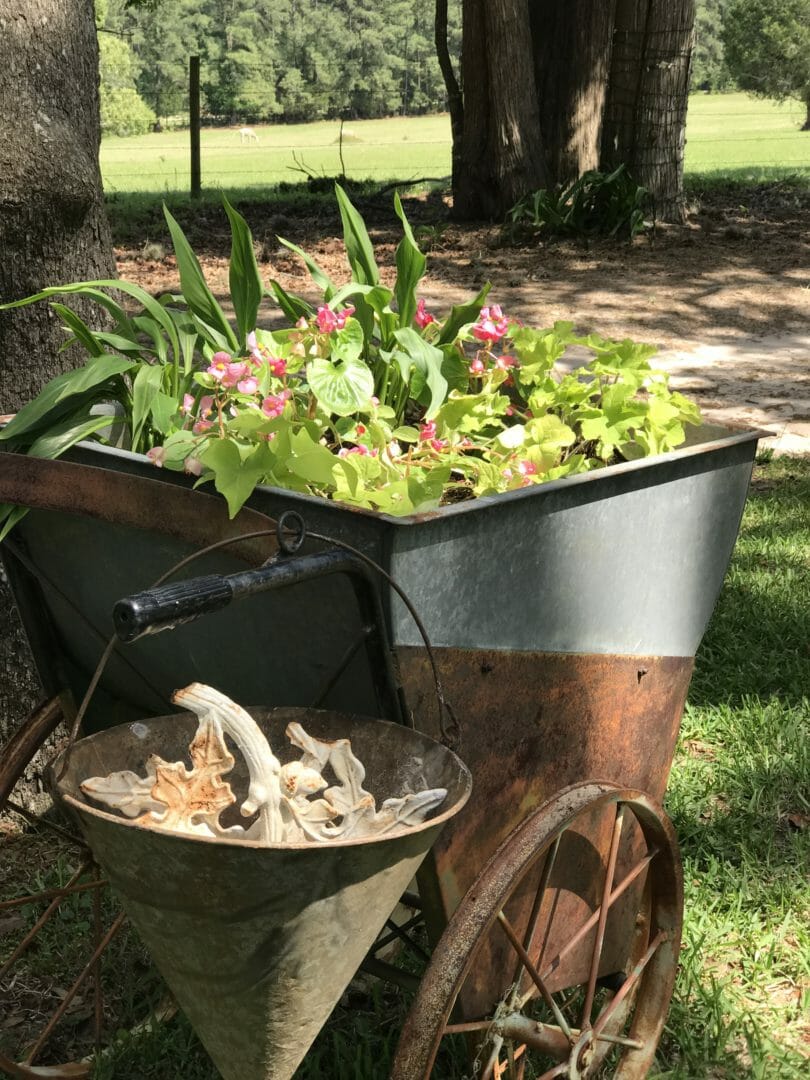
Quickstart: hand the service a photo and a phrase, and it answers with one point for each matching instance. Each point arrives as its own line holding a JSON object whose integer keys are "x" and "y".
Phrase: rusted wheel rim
{"x": 85, "y": 880}
{"x": 568, "y": 1031}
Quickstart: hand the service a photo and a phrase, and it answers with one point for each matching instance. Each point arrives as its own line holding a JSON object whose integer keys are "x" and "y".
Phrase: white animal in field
{"x": 247, "y": 135}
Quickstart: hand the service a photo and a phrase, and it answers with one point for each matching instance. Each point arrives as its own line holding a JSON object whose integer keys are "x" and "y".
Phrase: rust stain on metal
{"x": 126, "y": 499}
{"x": 533, "y": 723}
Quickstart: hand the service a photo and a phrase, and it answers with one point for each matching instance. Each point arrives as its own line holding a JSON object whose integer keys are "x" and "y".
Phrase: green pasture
{"x": 731, "y": 134}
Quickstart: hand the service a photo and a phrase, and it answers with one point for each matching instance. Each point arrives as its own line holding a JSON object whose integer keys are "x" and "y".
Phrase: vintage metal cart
{"x": 565, "y": 625}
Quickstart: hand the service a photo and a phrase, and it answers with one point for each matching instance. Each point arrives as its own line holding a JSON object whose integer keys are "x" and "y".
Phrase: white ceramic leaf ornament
{"x": 291, "y": 803}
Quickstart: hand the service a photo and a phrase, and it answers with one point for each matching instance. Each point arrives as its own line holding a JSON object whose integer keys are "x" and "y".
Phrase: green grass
{"x": 746, "y": 138}
{"x": 403, "y": 147}
{"x": 730, "y": 134}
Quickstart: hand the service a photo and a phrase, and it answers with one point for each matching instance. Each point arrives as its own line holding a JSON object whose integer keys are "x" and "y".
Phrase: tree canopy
{"x": 289, "y": 60}
{"x": 768, "y": 47}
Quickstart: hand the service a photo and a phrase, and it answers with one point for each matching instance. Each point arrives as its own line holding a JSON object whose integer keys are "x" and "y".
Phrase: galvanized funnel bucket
{"x": 258, "y": 942}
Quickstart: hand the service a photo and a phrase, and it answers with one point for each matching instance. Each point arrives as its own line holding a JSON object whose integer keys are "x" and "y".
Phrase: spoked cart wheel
{"x": 561, "y": 958}
{"x": 83, "y": 986}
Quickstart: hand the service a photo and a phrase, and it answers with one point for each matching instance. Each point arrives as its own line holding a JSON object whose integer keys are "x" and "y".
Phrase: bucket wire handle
{"x": 290, "y": 533}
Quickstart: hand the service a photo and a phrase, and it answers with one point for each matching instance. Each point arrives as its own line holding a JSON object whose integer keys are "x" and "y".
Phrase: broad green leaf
{"x": 359, "y": 250}
{"x": 81, "y": 331}
{"x": 512, "y": 437}
{"x": 461, "y": 315}
{"x": 62, "y": 436}
{"x": 92, "y": 289}
{"x": 550, "y": 431}
{"x": 195, "y": 290}
{"x": 164, "y": 410}
{"x": 95, "y": 372}
{"x": 410, "y": 268}
{"x": 343, "y": 387}
{"x": 347, "y": 344}
{"x": 10, "y": 515}
{"x": 292, "y": 306}
{"x": 318, "y": 275}
{"x": 311, "y": 461}
{"x": 406, "y": 433}
{"x": 145, "y": 387}
{"x": 235, "y": 477}
{"x": 243, "y": 274}
{"x": 428, "y": 361}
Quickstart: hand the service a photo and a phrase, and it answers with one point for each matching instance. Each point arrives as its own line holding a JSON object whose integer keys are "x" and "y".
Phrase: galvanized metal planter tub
{"x": 566, "y": 618}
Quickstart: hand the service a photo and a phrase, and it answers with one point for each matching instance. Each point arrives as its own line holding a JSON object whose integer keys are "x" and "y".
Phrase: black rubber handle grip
{"x": 160, "y": 609}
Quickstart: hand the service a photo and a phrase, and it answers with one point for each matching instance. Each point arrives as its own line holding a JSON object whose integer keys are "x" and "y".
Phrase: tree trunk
{"x": 455, "y": 99}
{"x": 501, "y": 157}
{"x": 52, "y": 226}
{"x": 572, "y": 41}
{"x": 806, "y": 124}
{"x": 645, "y": 114}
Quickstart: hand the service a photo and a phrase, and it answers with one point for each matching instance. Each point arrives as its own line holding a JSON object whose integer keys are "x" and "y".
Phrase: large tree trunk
{"x": 501, "y": 157}
{"x": 455, "y": 99}
{"x": 645, "y": 115}
{"x": 52, "y": 225}
{"x": 572, "y": 42}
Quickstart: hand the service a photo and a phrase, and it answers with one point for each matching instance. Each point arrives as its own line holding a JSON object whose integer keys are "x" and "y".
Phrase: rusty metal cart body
{"x": 564, "y": 619}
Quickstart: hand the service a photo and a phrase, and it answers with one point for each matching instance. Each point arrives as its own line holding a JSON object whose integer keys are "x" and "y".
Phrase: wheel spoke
{"x": 534, "y": 915}
{"x": 508, "y": 929}
{"x": 69, "y": 996}
{"x": 603, "y": 1018}
{"x": 44, "y": 917}
{"x": 610, "y": 871}
{"x": 588, "y": 925}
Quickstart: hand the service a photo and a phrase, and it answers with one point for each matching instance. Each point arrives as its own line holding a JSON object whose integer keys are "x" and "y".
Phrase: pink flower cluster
{"x": 491, "y": 325}
{"x": 428, "y": 434}
{"x": 273, "y": 404}
{"x": 525, "y": 469}
{"x": 329, "y": 320}
{"x": 422, "y": 318}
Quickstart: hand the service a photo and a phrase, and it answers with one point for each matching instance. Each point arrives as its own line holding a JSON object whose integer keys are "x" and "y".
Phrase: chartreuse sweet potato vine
{"x": 369, "y": 399}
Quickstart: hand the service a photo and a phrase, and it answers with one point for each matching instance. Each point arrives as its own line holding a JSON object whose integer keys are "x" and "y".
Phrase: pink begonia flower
{"x": 422, "y": 318}
{"x": 273, "y": 405}
{"x": 188, "y": 403}
{"x": 302, "y": 323}
{"x": 428, "y": 430}
{"x": 506, "y": 362}
{"x": 248, "y": 386}
{"x": 375, "y": 401}
{"x": 277, "y": 365}
{"x": 491, "y": 325}
{"x": 360, "y": 429}
{"x": 439, "y": 444}
{"x": 253, "y": 344}
{"x": 201, "y": 426}
{"x": 477, "y": 366}
{"x": 193, "y": 466}
{"x": 329, "y": 320}
{"x": 157, "y": 455}
{"x": 206, "y": 405}
{"x": 510, "y": 411}
{"x": 363, "y": 451}
{"x": 527, "y": 468}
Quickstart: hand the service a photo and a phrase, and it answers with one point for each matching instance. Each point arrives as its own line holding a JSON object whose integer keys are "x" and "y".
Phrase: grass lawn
{"x": 739, "y": 796}
{"x": 733, "y": 134}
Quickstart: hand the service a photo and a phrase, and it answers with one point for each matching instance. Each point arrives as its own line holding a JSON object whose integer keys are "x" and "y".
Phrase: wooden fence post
{"x": 194, "y": 123}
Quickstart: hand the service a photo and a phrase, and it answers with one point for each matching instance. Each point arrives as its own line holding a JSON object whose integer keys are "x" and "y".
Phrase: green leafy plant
{"x": 596, "y": 203}
{"x": 367, "y": 398}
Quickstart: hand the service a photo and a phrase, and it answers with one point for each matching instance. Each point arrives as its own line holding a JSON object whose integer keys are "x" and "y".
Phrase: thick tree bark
{"x": 455, "y": 98}
{"x": 501, "y": 157}
{"x": 645, "y": 114}
{"x": 52, "y": 226}
{"x": 572, "y": 41}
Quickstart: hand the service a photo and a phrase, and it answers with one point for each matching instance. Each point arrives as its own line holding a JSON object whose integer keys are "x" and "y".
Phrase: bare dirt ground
{"x": 726, "y": 297}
